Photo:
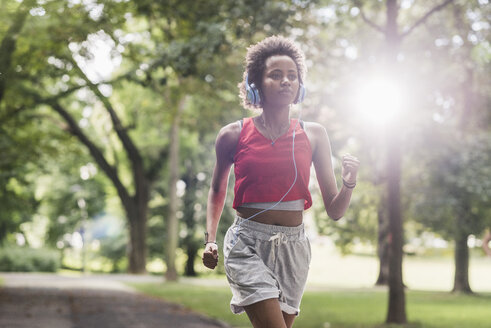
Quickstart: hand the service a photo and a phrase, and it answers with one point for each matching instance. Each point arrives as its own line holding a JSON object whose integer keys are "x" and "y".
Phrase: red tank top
{"x": 264, "y": 172}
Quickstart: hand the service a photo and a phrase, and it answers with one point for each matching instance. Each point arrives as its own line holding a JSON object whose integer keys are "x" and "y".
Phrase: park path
{"x": 92, "y": 301}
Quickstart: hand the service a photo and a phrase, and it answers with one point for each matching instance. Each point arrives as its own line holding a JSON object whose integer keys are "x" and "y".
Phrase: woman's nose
{"x": 285, "y": 81}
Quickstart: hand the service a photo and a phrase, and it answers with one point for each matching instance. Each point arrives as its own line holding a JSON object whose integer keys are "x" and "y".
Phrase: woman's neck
{"x": 276, "y": 119}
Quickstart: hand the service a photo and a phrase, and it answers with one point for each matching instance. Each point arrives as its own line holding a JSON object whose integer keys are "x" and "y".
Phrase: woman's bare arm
{"x": 336, "y": 202}
{"x": 225, "y": 149}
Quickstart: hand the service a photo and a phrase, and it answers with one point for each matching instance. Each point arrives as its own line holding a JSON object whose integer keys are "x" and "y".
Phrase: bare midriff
{"x": 274, "y": 217}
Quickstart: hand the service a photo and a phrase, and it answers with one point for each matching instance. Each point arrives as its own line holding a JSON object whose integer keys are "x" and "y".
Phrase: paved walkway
{"x": 92, "y": 301}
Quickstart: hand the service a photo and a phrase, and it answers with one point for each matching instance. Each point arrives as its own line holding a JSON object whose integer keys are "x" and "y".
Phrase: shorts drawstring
{"x": 277, "y": 240}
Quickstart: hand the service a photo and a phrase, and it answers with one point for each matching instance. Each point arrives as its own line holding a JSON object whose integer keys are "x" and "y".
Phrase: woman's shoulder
{"x": 317, "y": 135}
{"x": 231, "y": 130}
{"x": 315, "y": 129}
{"x": 229, "y": 135}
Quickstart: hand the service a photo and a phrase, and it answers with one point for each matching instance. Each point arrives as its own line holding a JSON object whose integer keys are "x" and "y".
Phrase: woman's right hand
{"x": 210, "y": 255}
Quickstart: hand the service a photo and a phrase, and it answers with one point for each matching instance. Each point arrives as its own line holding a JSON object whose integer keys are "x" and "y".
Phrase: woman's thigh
{"x": 266, "y": 314}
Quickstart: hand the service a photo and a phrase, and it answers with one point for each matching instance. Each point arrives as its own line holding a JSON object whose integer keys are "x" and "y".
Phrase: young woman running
{"x": 266, "y": 251}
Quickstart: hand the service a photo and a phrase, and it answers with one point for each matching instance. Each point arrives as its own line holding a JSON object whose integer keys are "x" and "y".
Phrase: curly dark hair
{"x": 255, "y": 63}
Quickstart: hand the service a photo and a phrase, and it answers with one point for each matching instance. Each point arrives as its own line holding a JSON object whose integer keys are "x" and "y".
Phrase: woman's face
{"x": 280, "y": 81}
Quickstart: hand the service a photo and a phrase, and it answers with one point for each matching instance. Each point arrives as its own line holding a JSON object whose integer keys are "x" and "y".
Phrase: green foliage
{"x": 24, "y": 141}
{"x": 24, "y": 259}
{"x": 32, "y": 141}
{"x": 114, "y": 249}
{"x": 69, "y": 201}
{"x": 451, "y": 139}
{"x": 453, "y": 184}
{"x": 358, "y": 226}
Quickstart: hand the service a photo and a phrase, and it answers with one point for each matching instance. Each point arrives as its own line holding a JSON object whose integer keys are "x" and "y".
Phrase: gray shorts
{"x": 265, "y": 261}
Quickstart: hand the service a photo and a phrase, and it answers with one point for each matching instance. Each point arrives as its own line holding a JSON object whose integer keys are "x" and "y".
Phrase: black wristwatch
{"x": 206, "y": 240}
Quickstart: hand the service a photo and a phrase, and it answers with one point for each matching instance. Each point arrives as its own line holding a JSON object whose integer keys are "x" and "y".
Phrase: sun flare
{"x": 378, "y": 100}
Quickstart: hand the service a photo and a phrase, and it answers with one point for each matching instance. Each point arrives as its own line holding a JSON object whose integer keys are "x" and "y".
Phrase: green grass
{"x": 340, "y": 309}
{"x": 212, "y": 301}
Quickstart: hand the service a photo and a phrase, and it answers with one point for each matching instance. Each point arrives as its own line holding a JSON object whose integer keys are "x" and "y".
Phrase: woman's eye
{"x": 292, "y": 77}
{"x": 276, "y": 76}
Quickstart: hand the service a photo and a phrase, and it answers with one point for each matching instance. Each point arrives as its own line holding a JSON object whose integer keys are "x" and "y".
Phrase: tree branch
{"x": 11, "y": 113}
{"x": 133, "y": 152}
{"x": 426, "y": 16}
{"x": 159, "y": 162}
{"x": 53, "y": 120}
{"x": 131, "y": 75}
{"x": 96, "y": 153}
{"x": 66, "y": 92}
{"x": 14, "y": 111}
{"x": 376, "y": 27}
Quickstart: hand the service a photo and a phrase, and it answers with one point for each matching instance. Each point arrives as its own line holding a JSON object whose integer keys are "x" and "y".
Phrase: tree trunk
{"x": 383, "y": 244}
{"x": 172, "y": 220}
{"x": 397, "y": 301}
{"x": 191, "y": 253}
{"x": 9, "y": 43}
{"x": 137, "y": 249}
{"x": 393, "y": 39}
{"x": 461, "y": 279}
{"x": 138, "y": 226}
{"x": 190, "y": 243}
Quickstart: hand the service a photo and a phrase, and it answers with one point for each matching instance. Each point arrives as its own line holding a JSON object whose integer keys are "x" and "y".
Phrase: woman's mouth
{"x": 286, "y": 92}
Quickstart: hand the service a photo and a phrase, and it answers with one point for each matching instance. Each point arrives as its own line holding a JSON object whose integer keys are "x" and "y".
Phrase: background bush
{"x": 23, "y": 259}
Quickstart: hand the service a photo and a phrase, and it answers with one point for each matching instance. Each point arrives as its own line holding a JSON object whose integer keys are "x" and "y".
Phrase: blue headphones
{"x": 255, "y": 99}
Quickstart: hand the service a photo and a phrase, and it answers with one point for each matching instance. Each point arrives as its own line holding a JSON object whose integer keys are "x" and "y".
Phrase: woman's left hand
{"x": 349, "y": 169}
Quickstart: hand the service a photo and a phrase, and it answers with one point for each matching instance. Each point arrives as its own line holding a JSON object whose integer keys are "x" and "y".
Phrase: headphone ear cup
{"x": 252, "y": 92}
{"x": 301, "y": 94}
{"x": 253, "y": 95}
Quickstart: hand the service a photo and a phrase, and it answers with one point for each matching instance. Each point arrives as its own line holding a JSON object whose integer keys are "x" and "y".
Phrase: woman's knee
{"x": 289, "y": 318}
